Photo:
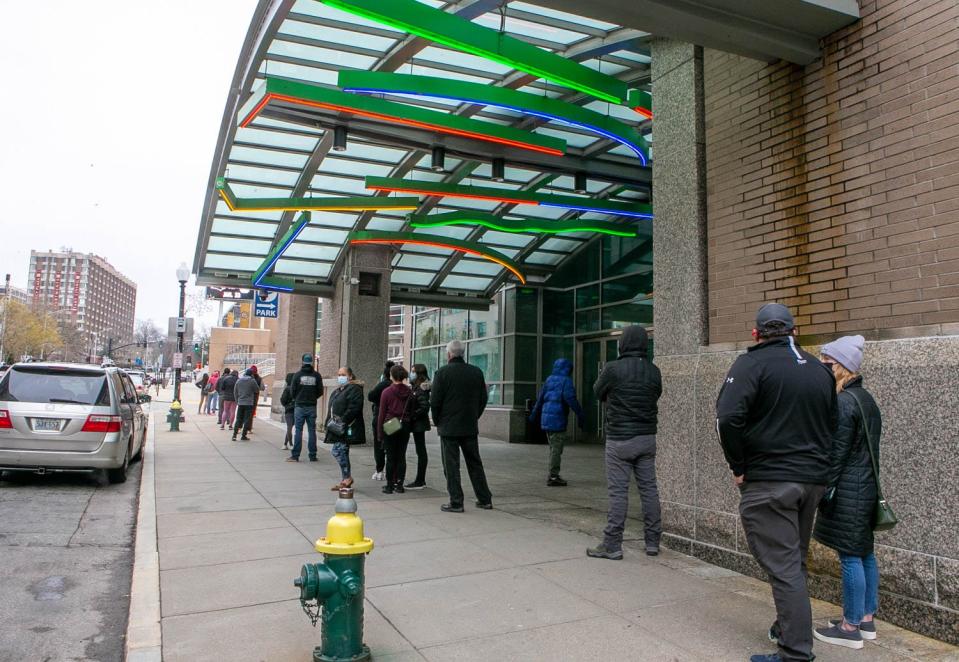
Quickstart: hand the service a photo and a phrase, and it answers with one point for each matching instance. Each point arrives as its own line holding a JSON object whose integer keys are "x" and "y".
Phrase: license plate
{"x": 46, "y": 424}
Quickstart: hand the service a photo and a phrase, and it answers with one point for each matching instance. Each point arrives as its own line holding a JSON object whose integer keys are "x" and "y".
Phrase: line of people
{"x": 233, "y": 397}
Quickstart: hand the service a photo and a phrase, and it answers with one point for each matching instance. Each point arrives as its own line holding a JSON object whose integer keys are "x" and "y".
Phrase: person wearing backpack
{"x": 393, "y": 424}
{"x": 846, "y": 514}
{"x": 286, "y": 399}
{"x": 344, "y": 423}
{"x": 420, "y": 423}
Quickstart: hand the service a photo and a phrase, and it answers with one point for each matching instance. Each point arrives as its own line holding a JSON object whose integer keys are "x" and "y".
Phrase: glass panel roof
{"x": 267, "y": 158}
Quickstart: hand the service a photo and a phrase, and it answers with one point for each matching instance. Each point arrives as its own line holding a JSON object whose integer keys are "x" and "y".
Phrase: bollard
{"x": 175, "y": 416}
{"x": 336, "y": 585}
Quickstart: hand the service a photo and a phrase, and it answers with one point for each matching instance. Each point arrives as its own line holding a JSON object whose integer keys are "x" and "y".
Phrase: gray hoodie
{"x": 246, "y": 390}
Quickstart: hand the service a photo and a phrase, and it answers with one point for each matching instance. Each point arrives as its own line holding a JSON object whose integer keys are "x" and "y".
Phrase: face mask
{"x": 342, "y": 379}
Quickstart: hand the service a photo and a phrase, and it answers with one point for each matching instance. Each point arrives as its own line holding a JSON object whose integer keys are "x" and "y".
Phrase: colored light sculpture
{"x": 519, "y": 225}
{"x": 641, "y": 101}
{"x": 435, "y": 241}
{"x": 354, "y": 203}
{"x": 260, "y": 277}
{"x": 456, "y": 32}
{"x": 275, "y": 90}
{"x": 489, "y": 95}
{"x": 576, "y": 203}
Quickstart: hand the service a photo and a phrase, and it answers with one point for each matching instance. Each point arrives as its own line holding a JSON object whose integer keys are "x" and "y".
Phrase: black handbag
{"x": 884, "y": 518}
{"x": 336, "y": 426}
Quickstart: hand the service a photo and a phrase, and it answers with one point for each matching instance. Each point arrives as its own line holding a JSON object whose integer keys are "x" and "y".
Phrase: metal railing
{"x": 265, "y": 362}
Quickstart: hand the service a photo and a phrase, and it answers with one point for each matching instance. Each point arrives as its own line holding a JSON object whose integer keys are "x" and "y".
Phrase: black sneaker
{"x": 834, "y": 634}
{"x": 484, "y": 506}
{"x": 313, "y": 459}
{"x": 244, "y": 438}
{"x": 450, "y": 508}
{"x": 774, "y": 632}
{"x": 399, "y": 489}
{"x": 387, "y": 489}
{"x": 292, "y": 459}
{"x": 652, "y": 551}
{"x": 415, "y": 486}
{"x": 555, "y": 481}
{"x": 600, "y": 552}
{"x": 867, "y": 628}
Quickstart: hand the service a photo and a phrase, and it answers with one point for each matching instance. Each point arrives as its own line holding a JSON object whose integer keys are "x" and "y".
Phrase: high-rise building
{"x": 84, "y": 289}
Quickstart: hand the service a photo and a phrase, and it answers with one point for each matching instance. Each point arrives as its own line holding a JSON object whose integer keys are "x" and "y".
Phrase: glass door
{"x": 591, "y": 362}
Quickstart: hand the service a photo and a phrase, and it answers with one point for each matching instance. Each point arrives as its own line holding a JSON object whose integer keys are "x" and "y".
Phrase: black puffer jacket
{"x": 847, "y": 527}
{"x": 630, "y": 386}
{"x": 421, "y": 413}
{"x": 347, "y": 402}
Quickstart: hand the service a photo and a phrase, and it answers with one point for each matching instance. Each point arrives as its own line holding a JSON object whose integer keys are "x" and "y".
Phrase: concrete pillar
{"x": 355, "y": 328}
{"x": 295, "y": 336}
{"x": 679, "y": 198}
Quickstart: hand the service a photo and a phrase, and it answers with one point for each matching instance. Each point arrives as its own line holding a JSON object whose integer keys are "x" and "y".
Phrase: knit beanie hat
{"x": 847, "y": 351}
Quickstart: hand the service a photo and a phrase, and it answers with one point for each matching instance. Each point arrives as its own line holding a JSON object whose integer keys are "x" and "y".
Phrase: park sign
{"x": 267, "y": 304}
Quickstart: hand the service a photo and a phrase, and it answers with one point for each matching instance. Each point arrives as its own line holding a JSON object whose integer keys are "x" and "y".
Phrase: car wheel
{"x": 119, "y": 475}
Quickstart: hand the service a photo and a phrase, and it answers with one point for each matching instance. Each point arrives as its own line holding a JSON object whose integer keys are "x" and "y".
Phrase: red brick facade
{"x": 834, "y": 187}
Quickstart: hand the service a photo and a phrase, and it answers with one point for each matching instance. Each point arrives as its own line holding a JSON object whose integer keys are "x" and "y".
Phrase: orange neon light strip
{"x": 460, "y": 249}
{"x": 645, "y": 112}
{"x": 396, "y": 120}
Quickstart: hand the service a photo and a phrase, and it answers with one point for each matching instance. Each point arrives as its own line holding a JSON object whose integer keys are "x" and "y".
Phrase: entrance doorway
{"x": 593, "y": 355}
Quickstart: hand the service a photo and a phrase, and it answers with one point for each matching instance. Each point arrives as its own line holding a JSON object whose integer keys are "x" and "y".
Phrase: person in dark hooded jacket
{"x": 551, "y": 411}
{"x": 286, "y": 399}
{"x": 630, "y": 386}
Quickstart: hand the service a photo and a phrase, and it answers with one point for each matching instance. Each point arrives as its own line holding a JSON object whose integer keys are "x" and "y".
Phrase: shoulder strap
{"x": 872, "y": 454}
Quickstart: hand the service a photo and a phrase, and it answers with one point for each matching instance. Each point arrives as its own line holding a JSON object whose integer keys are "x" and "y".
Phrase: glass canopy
{"x": 286, "y": 153}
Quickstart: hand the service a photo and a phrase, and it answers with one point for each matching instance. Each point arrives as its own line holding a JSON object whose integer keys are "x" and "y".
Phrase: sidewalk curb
{"x": 144, "y": 637}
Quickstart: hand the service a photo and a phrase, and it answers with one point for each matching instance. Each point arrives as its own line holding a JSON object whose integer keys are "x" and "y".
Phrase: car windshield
{"x": 136, "y": 378}
{"x": 55, "y": 385}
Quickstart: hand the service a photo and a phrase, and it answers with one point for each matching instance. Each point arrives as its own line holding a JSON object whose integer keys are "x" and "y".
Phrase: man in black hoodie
{"x": 306, "y": 388}
{"x": 630, "y": 387}
{"x": 775, "y": 416}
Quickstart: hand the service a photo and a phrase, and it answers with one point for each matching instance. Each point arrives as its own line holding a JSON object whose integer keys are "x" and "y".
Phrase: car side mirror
{"x": 143, "y": 397}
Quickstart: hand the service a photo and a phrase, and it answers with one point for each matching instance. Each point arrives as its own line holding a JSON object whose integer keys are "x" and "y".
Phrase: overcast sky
{"x": 110, "y": 116}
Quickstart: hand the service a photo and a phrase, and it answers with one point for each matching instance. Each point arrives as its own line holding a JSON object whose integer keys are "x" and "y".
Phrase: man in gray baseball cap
{"x": 775, "y": 416}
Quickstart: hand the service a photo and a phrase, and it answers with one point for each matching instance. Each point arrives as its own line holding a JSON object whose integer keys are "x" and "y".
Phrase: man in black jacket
{"x": 630, "y": 387}
{"x": 307, "y": 387}
{"x": 457, "y": 399}
{"x": 775, "y": 416}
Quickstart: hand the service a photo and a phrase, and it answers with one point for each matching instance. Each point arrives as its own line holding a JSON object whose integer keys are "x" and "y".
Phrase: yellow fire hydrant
{"x": 337, "y": 585}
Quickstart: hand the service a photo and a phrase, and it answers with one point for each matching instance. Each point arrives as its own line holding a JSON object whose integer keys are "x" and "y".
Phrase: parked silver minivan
{"x": 69, "y": 417}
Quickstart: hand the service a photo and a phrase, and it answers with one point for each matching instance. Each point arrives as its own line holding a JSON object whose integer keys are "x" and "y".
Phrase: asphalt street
{"x": 66, "y": 557}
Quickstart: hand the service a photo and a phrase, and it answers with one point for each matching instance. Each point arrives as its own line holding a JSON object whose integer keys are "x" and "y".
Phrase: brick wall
{"x": 834, "y": 187}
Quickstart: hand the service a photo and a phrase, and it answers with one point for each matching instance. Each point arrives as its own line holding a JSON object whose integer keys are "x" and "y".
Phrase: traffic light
{"x": 196, "y": 348}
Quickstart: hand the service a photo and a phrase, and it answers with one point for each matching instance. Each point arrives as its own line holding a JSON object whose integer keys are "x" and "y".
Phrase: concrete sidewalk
{"x": 234, "y": 523}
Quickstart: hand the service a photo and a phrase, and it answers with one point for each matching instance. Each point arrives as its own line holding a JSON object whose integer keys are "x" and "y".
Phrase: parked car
{"x": 63, "y": 417}
{"x": 139, "y": 379}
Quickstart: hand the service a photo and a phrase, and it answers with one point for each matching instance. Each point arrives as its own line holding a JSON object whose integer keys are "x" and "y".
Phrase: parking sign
{"x": 267, "y": 304}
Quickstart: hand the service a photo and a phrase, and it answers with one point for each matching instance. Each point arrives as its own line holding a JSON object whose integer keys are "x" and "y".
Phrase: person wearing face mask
{"x": 344, "y": 422}
{"x": 846, "y": 514}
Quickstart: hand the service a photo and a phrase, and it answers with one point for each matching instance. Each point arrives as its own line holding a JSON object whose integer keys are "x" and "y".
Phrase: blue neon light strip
{"x": 516, "y": 109}
{"x": 635, "y": 214}
{"x": 260, "y": 279}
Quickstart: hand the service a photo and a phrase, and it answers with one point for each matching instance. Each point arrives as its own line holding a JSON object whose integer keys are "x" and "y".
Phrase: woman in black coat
{"x": 845, "y": 521}
{"x": 420, "y": 422}
{"x": 346, "y": 404}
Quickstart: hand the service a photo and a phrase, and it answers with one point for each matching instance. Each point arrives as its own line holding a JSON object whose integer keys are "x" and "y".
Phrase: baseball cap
{"x": 307, "y": 358}
{"x": 774, "y": 316}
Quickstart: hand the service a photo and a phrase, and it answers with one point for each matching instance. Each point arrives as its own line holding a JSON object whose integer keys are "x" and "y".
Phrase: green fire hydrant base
{"x": 362, "y": 657}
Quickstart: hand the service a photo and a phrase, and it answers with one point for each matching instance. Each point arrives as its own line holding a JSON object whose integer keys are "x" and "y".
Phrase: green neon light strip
{"x": 390, "y": 112}
{"x": 461, "y": 34}
{"x": 351, "y": 203}
{"x": 575, "y": 203}
{"x": 260, "y": 279}
{"x": 516, "y": 225}
{"x": 445, "y": 88}
{"x": 436, "y": 241}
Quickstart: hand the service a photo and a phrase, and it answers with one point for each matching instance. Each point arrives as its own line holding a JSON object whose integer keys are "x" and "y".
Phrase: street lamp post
{"x": 182, "y": 275}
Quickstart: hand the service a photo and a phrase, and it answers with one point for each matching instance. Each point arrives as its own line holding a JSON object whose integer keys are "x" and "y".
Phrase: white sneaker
{"x": 379, "y": 475}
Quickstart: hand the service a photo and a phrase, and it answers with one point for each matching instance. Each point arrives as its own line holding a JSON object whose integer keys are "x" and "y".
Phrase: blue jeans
{"x": 303, "y": 415}
{"x": 211, "y": 402}
{"x": 860, "y": 587}
{"x": 341, "y": 452}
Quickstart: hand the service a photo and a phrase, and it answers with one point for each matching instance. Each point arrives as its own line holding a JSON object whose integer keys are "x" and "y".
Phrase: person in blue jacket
{"x": 552, "y": 413}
